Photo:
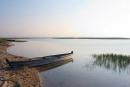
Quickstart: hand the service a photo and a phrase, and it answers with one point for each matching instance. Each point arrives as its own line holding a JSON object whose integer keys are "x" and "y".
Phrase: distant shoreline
{"x": 89, "y": 38}
{"x": 112, "y": 38}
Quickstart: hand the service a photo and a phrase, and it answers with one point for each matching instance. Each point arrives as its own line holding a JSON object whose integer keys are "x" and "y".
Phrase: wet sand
{"x": 26, "y": 77}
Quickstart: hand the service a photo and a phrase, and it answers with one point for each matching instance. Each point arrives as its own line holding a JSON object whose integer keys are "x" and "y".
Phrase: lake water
{"x": 96, "y": 63}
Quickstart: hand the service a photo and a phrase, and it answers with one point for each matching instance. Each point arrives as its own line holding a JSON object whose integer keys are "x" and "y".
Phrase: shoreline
{"x": 26, "y": 77}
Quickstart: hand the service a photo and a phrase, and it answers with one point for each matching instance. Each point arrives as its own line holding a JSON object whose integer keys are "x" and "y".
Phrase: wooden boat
{"x": 34, "y": 62}
{"x": 54, "y": 64}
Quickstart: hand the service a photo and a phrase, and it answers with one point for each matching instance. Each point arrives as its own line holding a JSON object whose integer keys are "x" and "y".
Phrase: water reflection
{"x": 115, "y": 62}
{"x": 54, "y": 64}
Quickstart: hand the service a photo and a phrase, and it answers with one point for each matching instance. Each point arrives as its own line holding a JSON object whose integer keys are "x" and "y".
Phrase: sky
{"x": 69, "y": 18}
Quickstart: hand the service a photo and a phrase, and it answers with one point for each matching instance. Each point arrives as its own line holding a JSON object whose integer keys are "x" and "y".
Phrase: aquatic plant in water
{"x": 115, "y": 62}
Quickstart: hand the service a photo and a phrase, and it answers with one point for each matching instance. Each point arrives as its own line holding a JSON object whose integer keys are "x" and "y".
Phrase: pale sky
{"x": 39, "y": 18}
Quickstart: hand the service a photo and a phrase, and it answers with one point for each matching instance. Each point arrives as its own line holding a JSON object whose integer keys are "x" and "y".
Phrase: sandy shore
{"x": 24, "y": 77}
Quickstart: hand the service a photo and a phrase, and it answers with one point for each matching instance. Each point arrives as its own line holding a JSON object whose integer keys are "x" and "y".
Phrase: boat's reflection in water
{"x": 115, "y": 62}
{"x": 54, "y": 64}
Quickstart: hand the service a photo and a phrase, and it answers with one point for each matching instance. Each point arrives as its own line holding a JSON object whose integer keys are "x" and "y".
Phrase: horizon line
{"x": 63, "y": 37}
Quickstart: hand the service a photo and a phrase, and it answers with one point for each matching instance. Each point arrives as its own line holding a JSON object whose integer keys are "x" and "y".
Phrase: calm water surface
{"x": 97, "y": 63}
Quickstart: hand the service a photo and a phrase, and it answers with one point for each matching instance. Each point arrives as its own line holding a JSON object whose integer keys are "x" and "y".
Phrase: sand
{"x": 26, "y": 77}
